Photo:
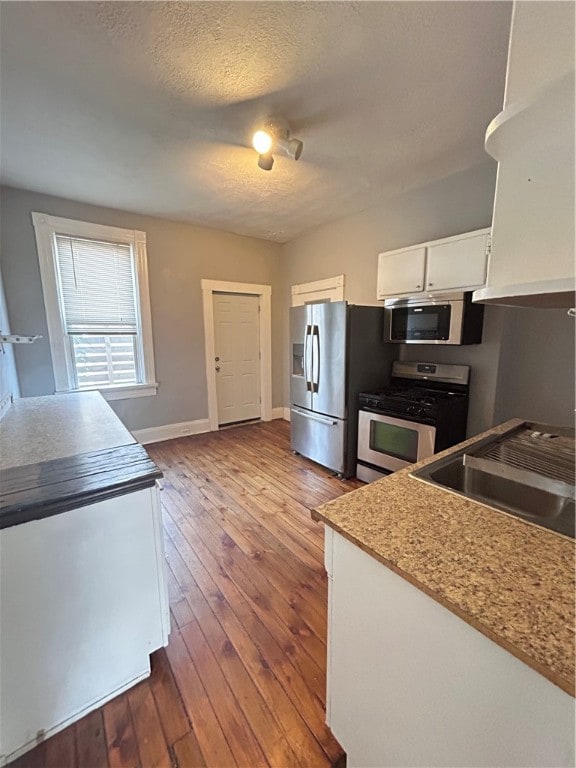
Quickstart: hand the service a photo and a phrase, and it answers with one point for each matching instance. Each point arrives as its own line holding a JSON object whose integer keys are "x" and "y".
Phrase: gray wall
{"x": 483, "y": 360}
{"x": 459, "y": 203}
{"x": 525, "y": 364}
{"x": 536, "y": 372}
{"x": 524, "y": 367}
{"x": 179, "y": 256}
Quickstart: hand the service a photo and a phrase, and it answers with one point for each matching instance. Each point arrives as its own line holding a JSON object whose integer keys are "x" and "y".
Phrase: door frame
{"x": 264, "y": 293}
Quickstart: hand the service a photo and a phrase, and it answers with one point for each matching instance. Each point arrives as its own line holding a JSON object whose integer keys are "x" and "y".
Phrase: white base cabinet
{"x": 83, "y": 603}
{"x": 411, "y": 684}
{"x": 440, "y": 266}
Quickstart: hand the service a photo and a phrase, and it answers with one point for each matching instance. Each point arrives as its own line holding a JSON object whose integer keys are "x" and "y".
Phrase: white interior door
{"x": 237, "y": 356}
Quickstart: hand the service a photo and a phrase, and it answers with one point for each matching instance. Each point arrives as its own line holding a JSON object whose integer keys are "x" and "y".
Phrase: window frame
{"x": 46, "y": 227}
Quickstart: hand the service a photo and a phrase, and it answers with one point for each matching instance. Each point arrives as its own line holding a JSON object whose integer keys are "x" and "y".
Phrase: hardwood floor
{"x": 242, "y": 681}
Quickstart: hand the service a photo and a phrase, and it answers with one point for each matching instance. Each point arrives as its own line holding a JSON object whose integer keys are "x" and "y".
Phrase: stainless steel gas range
{"x": 423, "y": 411}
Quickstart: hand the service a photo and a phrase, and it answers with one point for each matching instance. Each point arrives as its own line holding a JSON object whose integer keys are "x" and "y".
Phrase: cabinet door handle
{"x": 418, "y": 286}
{"x": 430, "y": 285}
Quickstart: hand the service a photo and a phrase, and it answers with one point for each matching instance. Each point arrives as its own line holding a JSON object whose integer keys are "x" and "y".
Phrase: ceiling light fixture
{"x": 265, "y": 162}
{"x": 275, "y": 137}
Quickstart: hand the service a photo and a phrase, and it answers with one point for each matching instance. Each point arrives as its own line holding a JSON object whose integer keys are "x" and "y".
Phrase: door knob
{"x": 217, "y": 367}
{"x": 217, "y": 359}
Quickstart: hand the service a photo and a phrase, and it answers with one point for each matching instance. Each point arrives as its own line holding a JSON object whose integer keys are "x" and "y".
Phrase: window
{"x": 95, "y": 285}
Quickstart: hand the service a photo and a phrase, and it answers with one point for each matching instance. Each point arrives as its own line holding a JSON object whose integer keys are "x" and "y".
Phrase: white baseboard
{"x": 281, "y": 413}
{"x": 170, "y": 431}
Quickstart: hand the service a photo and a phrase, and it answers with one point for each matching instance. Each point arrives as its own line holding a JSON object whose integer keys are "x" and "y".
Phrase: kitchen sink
{"x": 528, "y": 474}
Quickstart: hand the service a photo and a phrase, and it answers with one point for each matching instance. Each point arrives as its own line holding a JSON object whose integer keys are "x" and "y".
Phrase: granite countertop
{"x": 510, "y": 579}
{"x": 66, "y": 451}
{"x": 37, "y": 429}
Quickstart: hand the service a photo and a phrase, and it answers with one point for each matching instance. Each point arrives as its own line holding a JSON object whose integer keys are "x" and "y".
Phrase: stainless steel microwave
{"x": 450, "y": 318}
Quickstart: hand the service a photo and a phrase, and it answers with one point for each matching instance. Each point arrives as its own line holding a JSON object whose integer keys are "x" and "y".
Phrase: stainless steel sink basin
{"x": 544, "y": 500}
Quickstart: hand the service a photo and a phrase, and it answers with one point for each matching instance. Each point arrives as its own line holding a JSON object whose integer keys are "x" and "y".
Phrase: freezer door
{"x": 320, "y": 438}
{"x": 301, "y": 356}
{"x": 329, "y": 358}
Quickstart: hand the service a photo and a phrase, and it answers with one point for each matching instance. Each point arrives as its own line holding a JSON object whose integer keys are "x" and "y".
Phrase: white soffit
{"x": 149, "y": 107}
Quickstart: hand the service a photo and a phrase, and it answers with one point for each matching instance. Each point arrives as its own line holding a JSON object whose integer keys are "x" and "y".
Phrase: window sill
{"x": 123, "y": 392}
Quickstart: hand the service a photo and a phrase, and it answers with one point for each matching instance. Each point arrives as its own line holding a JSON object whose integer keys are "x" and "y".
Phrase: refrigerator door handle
{"x": 315, "y": 357}
{"x": 315, "y": 417}
{"x": 308, "y": 352}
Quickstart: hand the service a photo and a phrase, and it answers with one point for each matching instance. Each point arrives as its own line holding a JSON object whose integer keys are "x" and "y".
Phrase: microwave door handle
{"x": 315, "y": 358}
{"x": 307, "y": 361}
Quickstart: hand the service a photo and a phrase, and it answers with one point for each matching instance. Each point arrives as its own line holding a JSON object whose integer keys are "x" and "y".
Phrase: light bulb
{"x": 262, "y": 142}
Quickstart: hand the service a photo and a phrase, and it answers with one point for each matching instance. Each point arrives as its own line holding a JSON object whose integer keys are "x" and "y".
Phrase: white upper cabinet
{"x": 532, "y": 260}
{"x": 457, "y": 263}
{"x": 453, "y": 263}
{"x": 401, "y": 272}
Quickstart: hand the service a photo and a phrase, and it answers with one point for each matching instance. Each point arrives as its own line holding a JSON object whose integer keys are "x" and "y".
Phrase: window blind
{"x": 97, "y": 285}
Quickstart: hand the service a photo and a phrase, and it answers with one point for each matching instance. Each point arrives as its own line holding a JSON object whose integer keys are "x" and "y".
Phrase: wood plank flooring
{"x": 242, "y": 681}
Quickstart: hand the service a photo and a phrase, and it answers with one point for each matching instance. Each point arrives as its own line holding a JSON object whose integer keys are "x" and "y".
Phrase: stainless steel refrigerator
{"x": 337, "y": 350}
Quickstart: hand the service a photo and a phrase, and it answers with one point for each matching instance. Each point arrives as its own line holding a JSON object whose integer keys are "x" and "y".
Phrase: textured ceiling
{"x": 149, "y": 107}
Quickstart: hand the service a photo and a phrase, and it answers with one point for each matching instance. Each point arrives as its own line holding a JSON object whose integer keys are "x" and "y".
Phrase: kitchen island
{"x": 451, "y": 629}
{"x": 83, "y": 597}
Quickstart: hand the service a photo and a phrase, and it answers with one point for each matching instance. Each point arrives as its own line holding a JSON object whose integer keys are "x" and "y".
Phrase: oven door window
{"x": 432, "y": 322}
{"x": 391, "y": 440}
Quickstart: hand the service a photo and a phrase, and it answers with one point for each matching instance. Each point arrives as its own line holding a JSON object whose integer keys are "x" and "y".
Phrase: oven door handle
{"x": 315, "y": 417}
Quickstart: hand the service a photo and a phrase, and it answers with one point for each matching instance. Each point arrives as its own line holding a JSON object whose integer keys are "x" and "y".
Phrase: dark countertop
{"x": 66, "y": 451}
